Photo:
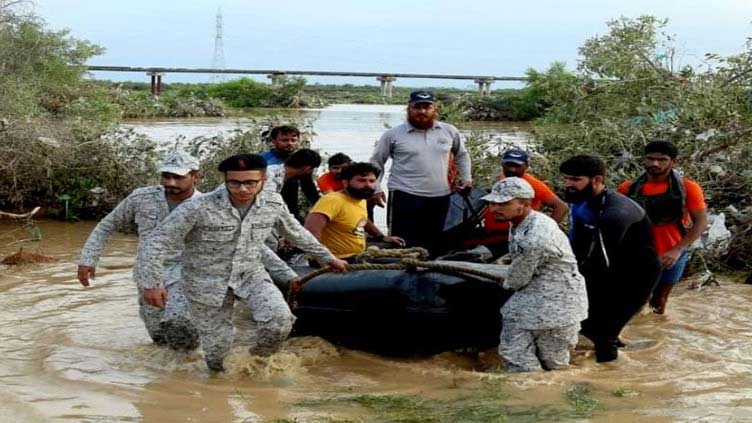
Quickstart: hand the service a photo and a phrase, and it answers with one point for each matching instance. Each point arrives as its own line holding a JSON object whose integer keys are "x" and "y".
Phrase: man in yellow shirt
{"x": 340, "y": 220}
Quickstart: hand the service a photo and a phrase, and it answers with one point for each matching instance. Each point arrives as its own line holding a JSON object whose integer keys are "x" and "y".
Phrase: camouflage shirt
{"x": 549, "y": 290}
{"x": 220, "y": 250}
{"x": 275, "y": 178}
{"x": 140, "y": 212}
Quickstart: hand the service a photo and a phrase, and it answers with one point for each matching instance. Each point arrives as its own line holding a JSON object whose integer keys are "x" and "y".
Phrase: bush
{"x": 56, "y": 128}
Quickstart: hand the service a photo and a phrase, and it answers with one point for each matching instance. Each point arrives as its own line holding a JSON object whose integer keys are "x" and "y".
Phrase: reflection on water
{"x": 74, "y": 354}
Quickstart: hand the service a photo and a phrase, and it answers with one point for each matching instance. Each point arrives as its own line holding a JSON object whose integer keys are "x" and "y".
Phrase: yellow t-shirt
{"x": 345, "y": 234}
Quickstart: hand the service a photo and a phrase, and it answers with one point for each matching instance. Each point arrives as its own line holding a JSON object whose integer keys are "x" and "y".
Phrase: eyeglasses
{"x": 248, "y": 183}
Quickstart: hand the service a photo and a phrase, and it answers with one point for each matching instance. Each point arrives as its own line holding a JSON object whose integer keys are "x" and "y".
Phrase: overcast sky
{"x": 490, "y": 37}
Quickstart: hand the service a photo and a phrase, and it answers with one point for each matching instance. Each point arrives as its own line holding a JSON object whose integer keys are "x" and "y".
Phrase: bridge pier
{"x": 156, "y": 83}
{"x": 484, "y": 86}
{"x": 386, "y": 85}
{"x": 276, "y": 79}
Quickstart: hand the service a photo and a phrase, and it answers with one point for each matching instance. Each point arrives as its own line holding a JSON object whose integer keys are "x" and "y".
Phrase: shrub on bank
{"x": 135, "y": 104}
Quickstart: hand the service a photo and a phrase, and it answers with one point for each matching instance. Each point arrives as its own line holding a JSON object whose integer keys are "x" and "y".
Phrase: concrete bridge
{"x": 385, "y": 79}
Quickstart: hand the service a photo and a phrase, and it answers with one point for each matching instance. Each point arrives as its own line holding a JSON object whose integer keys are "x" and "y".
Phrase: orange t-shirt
{"x": 543, "y": 194}
{"x": 667, "y": 235}
{"x": 328, "y": 183}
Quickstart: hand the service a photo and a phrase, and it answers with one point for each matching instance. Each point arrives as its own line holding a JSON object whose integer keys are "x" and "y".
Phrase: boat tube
{"x": 401, "y": 313}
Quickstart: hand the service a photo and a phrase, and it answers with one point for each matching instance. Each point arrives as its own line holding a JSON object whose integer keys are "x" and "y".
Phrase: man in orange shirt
{"x": 515, "y": 162}
{"x": 677, "y": 210}
{"x": 330, "y": 182}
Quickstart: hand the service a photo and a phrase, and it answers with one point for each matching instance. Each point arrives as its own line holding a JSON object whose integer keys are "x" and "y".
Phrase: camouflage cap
{"x": 508, "y": 189}
{"x": 178, "y": 163}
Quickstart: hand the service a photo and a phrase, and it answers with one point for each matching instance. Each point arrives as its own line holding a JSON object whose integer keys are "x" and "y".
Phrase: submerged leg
{"x": 517, "y": 349}
{"x": 555, "y": 345}
{"x": 151, "y": 316}
{"x": 179, "y": 331}
{"x": 214, "y": 325}
{"x": 272, "y": 315}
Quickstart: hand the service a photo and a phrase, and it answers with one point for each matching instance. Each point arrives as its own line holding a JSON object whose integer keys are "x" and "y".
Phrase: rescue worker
{"x": 419, "y": 189}
{"x": 676, "y": 208}
{"x": 515, "y": 162}
{"x": 610, "y": 236}
{"x": 144, "y": 209}
{"x": 541, "y": 320}
{"x": 221, "y": 237}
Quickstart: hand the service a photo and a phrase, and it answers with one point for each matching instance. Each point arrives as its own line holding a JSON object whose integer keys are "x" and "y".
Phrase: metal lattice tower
{"x": 219, "y": 49}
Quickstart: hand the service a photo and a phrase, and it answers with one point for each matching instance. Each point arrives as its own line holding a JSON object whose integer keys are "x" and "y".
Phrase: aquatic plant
{"x": 580, "y": 398}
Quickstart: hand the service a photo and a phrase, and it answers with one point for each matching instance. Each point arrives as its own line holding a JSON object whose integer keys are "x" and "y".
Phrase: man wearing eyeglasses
{"x": 221, "y": 237}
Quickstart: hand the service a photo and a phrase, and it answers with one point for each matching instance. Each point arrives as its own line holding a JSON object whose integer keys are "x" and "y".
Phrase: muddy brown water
{"x": 70, "y": 354}
{"x": 75, "y": 354}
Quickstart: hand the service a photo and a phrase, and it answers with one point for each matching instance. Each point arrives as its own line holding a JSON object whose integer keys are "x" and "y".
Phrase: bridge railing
{"x": 386, "y": 79}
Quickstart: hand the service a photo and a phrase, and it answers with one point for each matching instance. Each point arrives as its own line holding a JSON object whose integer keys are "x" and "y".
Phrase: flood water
{"x": 352, "y": 129}
{"x": 71, "y": 354}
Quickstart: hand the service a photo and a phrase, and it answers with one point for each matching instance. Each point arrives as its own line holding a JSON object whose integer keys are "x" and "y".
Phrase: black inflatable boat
{"x": 401, "y": 313}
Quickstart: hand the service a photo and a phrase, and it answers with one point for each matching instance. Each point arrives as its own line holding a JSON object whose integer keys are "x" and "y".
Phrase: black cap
{"x": 241, "y": 162}
{"x": 515, "y": 156}
{"x": 422, "y": 97}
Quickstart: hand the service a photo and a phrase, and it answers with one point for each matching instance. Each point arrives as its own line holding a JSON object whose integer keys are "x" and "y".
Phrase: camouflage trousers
{"x": 269, "y": 310}
{"x": 171, "y": 325}
{"x": 527, "y": 350}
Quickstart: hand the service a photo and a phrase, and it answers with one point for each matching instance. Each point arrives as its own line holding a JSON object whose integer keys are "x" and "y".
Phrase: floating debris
{"x": 24, "y": 257}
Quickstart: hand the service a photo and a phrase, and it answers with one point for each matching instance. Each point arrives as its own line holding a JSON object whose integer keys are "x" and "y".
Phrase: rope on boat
{"x": 373, "y": 252}
{"x": 406, "y": 263}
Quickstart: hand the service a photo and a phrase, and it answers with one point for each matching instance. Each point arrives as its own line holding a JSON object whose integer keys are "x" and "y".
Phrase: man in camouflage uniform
{"x": 221, "y": 236}
{"x": 542, "y": 318}
{"x": 144, "y": 209}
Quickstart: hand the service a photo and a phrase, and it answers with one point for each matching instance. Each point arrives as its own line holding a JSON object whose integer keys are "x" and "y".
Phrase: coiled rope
{"x": 407, "y": 263}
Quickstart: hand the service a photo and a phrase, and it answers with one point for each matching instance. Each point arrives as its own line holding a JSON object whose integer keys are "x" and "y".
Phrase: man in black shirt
{"x": 611, "y": 238}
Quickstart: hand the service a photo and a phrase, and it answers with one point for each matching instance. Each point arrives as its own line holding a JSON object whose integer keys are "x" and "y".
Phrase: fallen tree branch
{"x": 16, "y": 216}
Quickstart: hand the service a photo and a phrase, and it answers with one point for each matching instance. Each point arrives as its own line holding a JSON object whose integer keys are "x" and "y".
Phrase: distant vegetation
{"x": 218, "y": 99}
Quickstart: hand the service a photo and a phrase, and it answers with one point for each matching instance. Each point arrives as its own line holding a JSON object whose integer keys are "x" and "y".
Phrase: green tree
{"x": 56, "y": 128}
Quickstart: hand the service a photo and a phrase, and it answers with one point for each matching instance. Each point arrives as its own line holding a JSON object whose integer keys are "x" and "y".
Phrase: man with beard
{"x": 143, "y": 210}
{"x": 419, "y": 190}
{"x": 285, "y": 143}
{"x": 611, "y": 238}
{"x": 514, "y": 163}
{"x": 677, "y": 210}
{"x": 221, "y": 238}
{"x": 542, "y": 317}
{"x": 339, "y": 219}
